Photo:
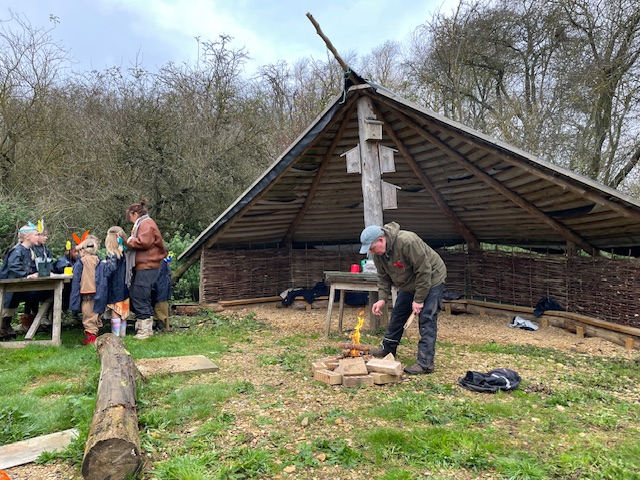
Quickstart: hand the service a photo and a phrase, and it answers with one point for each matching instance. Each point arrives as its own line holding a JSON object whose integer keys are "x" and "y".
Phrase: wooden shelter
{"x": 458, "y": 189}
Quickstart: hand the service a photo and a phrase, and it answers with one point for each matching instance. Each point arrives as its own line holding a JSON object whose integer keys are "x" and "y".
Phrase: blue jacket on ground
{"x": 110, "y": 283}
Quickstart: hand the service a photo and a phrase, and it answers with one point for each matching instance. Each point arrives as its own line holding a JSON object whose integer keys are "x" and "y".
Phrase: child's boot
{"x": 116, "y": 325}
{"x": 123, "y": 328}
{"x": 89, "y": 338}
{"x": 26, "y": 321}
{"x": 6, "y": 330}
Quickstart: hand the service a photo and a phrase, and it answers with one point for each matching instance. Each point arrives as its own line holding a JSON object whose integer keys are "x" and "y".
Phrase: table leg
{"x": 36, "y": 322}
{"x": 341, "y": 309}
{"x": 57, "y": 314}
{"x": 332, "y": 296}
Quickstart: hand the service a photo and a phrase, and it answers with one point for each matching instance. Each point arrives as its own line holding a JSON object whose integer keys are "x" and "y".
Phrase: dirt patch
{"x": 457, "y": 329}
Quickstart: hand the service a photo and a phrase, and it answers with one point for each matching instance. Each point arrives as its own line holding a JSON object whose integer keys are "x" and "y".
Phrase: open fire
{"x": 355, "y": 367}
{"x": 355, "y": 348}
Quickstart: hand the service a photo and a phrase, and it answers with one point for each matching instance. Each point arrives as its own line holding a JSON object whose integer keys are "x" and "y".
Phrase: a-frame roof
{"x": 456, "y": 186}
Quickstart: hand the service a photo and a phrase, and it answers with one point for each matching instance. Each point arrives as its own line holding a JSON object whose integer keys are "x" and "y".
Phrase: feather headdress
{"x": 79, "y": 240}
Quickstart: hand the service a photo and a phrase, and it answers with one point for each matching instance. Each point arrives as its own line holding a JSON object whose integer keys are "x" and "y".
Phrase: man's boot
{"x": 145, "y": 329}
{"x": 6, "y": 330}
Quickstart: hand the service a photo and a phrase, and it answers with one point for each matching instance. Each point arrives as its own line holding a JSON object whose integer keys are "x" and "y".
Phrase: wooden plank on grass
{"x": 189, "y": 363}
{"x": 26, "y": 451}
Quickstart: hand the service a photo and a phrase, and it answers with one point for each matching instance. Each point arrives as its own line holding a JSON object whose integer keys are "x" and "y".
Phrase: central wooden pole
{"x": 371, "y": 188}
{"x": 371, "y": 177}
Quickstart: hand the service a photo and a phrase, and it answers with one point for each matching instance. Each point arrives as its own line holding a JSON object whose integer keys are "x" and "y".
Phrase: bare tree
{"x": 604, "y": 42}
{"x": 558, "y": 78}
{"x": 30, "y": 65}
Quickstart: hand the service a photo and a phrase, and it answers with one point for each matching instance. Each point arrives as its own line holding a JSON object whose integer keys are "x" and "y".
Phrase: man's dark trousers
{"x": 427, "y": 324}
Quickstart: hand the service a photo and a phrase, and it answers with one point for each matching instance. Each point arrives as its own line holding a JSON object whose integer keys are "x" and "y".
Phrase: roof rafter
{"x": 468, "y": 236}
{"x": 565, "y": 232}
{"x": 323, "y": 167}
{"x": 511, "y": 160}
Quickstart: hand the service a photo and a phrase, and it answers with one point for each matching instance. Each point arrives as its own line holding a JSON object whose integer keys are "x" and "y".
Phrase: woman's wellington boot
{"x": 145, "y": 329}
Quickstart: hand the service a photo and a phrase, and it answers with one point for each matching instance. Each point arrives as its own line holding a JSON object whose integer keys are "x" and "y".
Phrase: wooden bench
{"x": 581, "y": 325}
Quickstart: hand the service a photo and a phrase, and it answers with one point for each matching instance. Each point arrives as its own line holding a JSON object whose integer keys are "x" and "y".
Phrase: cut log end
{"x": 116, "y": 456}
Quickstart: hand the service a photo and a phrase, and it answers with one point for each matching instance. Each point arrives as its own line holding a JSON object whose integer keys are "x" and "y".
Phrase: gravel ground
{"x": 455, "y": 329}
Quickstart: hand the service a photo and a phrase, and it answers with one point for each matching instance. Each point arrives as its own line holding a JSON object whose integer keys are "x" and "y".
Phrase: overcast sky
{"x": 106, "y": 33}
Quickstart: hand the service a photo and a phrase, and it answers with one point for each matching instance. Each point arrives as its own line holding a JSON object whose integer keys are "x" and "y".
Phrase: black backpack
{"x": 490, "y": 382}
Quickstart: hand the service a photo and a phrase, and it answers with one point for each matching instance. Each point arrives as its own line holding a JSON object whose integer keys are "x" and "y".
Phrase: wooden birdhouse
{"x": 354, "y": 165}
{"x": 389, "y": 195}
{"x": 373, "y": 129}
{"x": 387, "y": 162}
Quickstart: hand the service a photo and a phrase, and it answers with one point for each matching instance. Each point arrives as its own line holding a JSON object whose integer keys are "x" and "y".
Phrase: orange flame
{"x": 355, "y": 336}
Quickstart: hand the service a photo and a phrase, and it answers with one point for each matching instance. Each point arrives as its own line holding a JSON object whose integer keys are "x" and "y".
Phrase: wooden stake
{"x": 328, "y": 43}
{"x": 410, "y": 320}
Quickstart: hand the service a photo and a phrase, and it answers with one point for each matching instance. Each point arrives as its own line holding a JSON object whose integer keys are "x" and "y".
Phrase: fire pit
{"x": 355, "y": 366}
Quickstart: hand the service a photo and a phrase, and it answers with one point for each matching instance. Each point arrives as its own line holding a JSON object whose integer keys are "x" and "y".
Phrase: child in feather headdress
{"x": 112, "y": 295}
{"x": 83, "y": 287}
{"x": 41, "y": 254}
{"x": 17, "y": 264}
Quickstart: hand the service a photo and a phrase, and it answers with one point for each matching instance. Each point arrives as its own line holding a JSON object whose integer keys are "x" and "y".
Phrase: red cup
{"x": 355, "y": 268}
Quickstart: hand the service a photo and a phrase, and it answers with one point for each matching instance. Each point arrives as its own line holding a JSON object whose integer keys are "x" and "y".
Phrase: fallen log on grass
{"x": 113, "y": 445}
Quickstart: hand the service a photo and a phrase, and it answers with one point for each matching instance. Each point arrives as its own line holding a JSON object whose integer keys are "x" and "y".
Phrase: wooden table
{"x": 54, "y": 283}
{"x": 345, "y": 281}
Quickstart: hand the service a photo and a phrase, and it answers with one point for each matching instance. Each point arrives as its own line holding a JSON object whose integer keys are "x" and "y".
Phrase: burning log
{"x": 355, "y": 346}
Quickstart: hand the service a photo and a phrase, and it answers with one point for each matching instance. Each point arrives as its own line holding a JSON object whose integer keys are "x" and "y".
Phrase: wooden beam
{"x": 468, "y": 236}
{"x": 534, "y": 211}
{"x": 371, "y": 188}
{"x": 328, "y": 43}
{"x": 249, "y": 301}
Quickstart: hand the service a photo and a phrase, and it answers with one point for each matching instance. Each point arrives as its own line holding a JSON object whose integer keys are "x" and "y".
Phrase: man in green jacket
{"x": 403, "y": 259}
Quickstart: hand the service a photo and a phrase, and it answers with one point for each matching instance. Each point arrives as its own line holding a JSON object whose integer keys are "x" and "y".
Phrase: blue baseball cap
{"x": 368, "y": 236}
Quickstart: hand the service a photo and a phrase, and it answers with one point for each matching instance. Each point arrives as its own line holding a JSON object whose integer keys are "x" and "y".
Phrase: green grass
{"x": 579, "y": 417}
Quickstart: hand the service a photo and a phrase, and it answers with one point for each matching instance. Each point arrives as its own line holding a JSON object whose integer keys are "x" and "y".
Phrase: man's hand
{"x": 417, "y": 307}
{"x": 377, "y": 307}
